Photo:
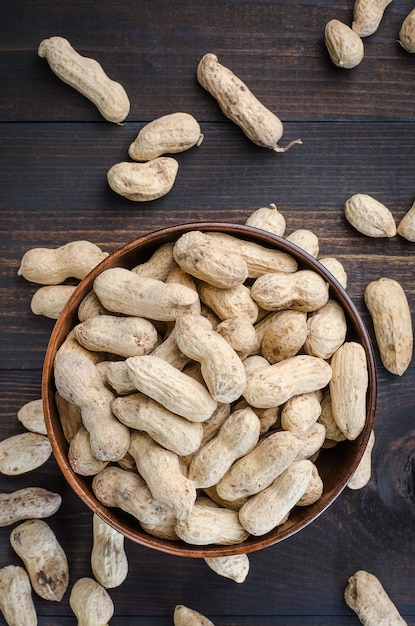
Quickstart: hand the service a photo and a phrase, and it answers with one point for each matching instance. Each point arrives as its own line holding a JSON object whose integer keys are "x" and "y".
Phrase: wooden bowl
{"x": 336, "y": 465}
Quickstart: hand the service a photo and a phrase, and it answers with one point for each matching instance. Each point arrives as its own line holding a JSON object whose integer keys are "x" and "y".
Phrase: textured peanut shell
{"x": 108, "y": 559}
{"x": 208, "y": 525}
{"x": 124, "y": 336}
{"x": 126, "y": 490}
{"x": 229, "y": 303}
{"x": 27, "y": 503}
{"x": 159, "y": 265}
{"x": 171, "y": 431}
{"x": 326, "y": 330}
{"x": 142, "y": 182}
{"x": 369, "y": 216}
{"x": 300, "y": 412}
{"x": 363, "y": 472}
{"x": 348, "y": 388}
{"x": 336, "y": 268}
{"x": 81, "y": 457}
{"x": 367, "y": 16}
{"x": 16, "y": 602}
{"x": 284, "y": 335}
{"x": 50, "y": 300}
{"x": 268, "y": 218}
{"x": 86, "y": 76}
{"x": 304, "y": 290}
{"x": 221, "y": 368}
{"x": 45, "y": 561}
{"x": 241, "y": 335}
{"x": 78, "y": 381}
{"x": 257, "y": 469}
{"x": 169, "y": 134}
{"x": 91, "y": 603}
{"x": 237, "y": 436}
{"x": 173, "y": 389}
{"x": 269, "y": 508}
{"x": 90, "y": 306}
{"x": 123, "y": 291}
{"x": 161, "y": 470}
{"x": 169, "y": 351}
{"x": 389, "y": 308}
{"x": 366, "y": 596}
{"x": 240, "y": 105}
{"x": 344, "y": 45}
{"x": 406, "y": 227}
{"x": 306, "y": 240}
{"x": 69, "y": 416}
{"x": 326, "y": 418}
{"x": 259, "y": 259}
{"x": 184, "y": 616}
{"x": 31, "y": 416}
{"x": 51, "y": 266}
{"x": 314, "y": 489}
{"x": 236, "y": 566}
{"x": 407, "y": 32}
{"x": 201, "y": 257}
{"x": 273, "y": 385}
{"x": 23, "y": 453}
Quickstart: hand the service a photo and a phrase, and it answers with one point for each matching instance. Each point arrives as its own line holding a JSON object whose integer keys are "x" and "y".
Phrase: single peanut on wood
{"x": 27, "y": 503}
{"x": 392, "y": 321}
{"x": 366, "y": 596}
{"x": 16, "y": 602}
{"x": 240, "y": 105}
{"x": 51, "y": 299}
{"x": 407, "y": 32}
{"x": 269, "y": 219}
{"x": 23, "y": 453}
{"x": 109, "y": 562}
{"x": 369, "y": 216}
{"x": 142, "y": 182}
{"x": 183, "y": 616}
{"x": 236, "y": 566}
{"x": 31, "y": 416}
{"x": 91, "y": 603}
{"x": 343, "y": 44}
{"x": 168, "y": 134}
{"x": 406, "y": 227}
{"x": 86, "y": 76}
{"x": 367, "y": 15}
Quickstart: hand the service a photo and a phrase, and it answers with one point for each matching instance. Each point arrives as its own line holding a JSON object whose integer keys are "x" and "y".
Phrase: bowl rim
{"x": 59, "y": 447}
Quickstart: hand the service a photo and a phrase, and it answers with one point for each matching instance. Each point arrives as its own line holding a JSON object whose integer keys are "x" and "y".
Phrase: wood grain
{"x": 358, "y": 131}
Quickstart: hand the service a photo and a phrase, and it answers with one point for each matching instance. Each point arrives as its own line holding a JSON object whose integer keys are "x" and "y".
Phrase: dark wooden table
{"x": 358, "y": 131}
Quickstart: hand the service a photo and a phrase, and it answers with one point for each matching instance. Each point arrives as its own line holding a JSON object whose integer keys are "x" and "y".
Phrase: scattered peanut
{"x": 240, "y": 105}
{"x": 109, "y": 562}
{"x": 236, "y": 567}
{"x": 369, "y": 216}
{"x": 27, "y": 503}
{"x": 51, "y": 299}
{"x": 86, "y": 76}
{"x": 335, "y": 267}
{"x": 306, "y": 240}
{"x": 90, "y": 603}
{"x": 23, "y": 453}
{"x": 168, "y": 134}
{"x": 142, "y": 182}
{"x": 406, "y": 227}
{"x": 16, "y": 602}
{"x": 363, "y": 472}
{"x": 183, "y": 616}
{"x": 367, "y": 15}
{"x": 407, "y": 32}
{"x": 365, "y": 595}
{"x": 344, "y": 45}
{"x": 392, "y": 321}
{"x": 269, "y": 219}
{"x": 45, "y": 561}
{"x": 31, "y": 416}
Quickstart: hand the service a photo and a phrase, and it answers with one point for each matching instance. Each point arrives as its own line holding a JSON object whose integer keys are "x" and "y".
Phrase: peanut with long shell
{"x": 240, "y": 105}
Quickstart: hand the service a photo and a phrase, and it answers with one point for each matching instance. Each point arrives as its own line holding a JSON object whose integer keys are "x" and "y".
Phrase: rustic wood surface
{"x": 358, "y": 132}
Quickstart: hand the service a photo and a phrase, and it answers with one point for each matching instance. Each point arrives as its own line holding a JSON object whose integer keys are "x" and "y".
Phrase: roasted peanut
{"x": 282, "y": 334}
{"x": 230, "y": 302}
{"x": 326, "y": 330}
{"x": 51, "y": 266}
{"x": 86, "y": 76}
{"x": 142, "y": 182}
{"x": 168, "y": 134}
{"x": 126, "y": 490}
{"x": 336, "y": 268}
{"x": 306, "y": 240}
{"x": 406, "y": 227}
{"x": 300, "y": 412}
{"x": 389, "y": 308}
{"x": 45, "y": 561}
{"x": 123, "y": 291}
{"x": 304, "y": 290}
{"x": 50, "y": 300}
{"x": 366, "y": 596}
{"x": 269, "y": 508}
{"x": 269, "y": 219}
{"x": 27, "y": 503}
{"x": 314, "y": 489}
{"x": 183, "y": 616}
{"x": 367, "y": 15}
{"x": 407, "y": 32}
{"x": 236, "y": 566}
{"x": 172, "y": 388}
{"x": 343, "y": 44}
{"x": 109, "y": 562}
{"x": 363, "y": 472}
{"x": 326, "y": 418}
{"x": 348, "y": 388}
{"x": 273, "y": 385}
{"x": 168, "y": 429}
{"x": 69, "y": 416}
{"x": 369, "y": 216}
{"x": 23, "y": 453}
{"x": 16, "y": 602}
{"x": 160, "y": 469}
{"x": 211, "y": 525}
{"x": 160, "y": 263}
{"x": 241, "y": 335}
{"x": 90, "y": 307}
{"x": 81, "y": 457}
{"x": 124, "y": 336}
{"x": 240, "y": 105}
{"x": 91, "y": 603}
{"x": 78, "y": 381}
{"x": 31, "y": 416}
{"x": 221, "y": 367}
{"x": 237, "y": 436}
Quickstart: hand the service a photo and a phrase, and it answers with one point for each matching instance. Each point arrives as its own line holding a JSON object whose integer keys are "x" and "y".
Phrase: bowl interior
{"x": 335, "y": 465}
